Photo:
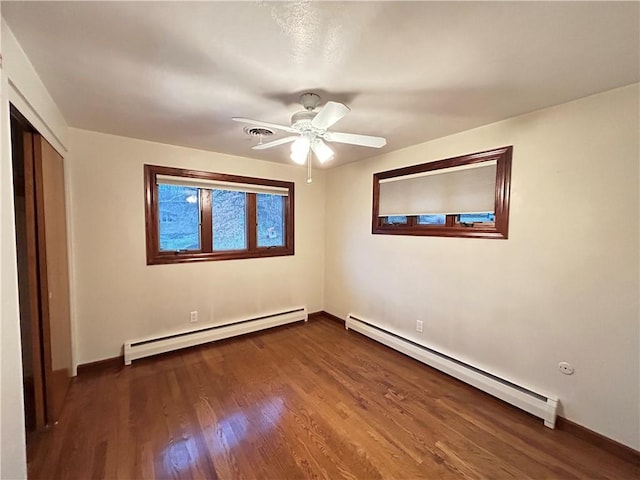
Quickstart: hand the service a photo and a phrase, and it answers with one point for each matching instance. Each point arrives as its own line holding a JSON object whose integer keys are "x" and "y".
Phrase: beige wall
{"x": 119, "y": 297}
{"x": 12, "y": 449}
{"x": 563, "y": 287}
{"x": 21, "y": 85}
{"x": 29, "y": 95}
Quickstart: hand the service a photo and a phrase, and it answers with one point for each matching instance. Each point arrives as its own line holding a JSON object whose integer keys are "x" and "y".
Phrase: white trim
{"x": 29, "y": 112}
{"x": 29, "y": 94}
{"x": 71, "y": 255}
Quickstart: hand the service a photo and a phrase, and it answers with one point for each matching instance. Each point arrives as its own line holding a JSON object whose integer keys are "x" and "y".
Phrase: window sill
{"x": 168, "y": 258}
{"x": 435, "y": 231}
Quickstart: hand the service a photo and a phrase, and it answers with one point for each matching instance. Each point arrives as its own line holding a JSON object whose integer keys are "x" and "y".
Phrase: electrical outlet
{"x": 565, "y": 368}
{"x": 419, "y": 325}
{"x": 194, "y": 317}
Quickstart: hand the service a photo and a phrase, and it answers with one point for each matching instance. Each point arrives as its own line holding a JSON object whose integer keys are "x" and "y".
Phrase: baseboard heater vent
{"x": 542, "y": 406}
{"x": 136, "y": 349}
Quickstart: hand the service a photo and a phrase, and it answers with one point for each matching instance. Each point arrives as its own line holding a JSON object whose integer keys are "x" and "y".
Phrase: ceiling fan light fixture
{"x": 322, "y": 150}
{"x": 313, "y": 128}
{"x": 300, "y": 150}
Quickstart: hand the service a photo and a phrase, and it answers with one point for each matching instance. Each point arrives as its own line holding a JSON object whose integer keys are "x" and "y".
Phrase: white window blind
{"x": 463, "y": 189}
{"x": 220, "y": 185}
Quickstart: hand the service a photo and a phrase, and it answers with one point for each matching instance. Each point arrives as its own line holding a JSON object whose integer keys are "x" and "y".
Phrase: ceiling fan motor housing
{"x": 312, "y": 129}
{"x": 309, "y": 100}
{"x": 302, "y": 120}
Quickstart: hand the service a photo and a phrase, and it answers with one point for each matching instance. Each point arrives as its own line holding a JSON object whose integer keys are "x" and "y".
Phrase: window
{"x": 270, "y": 213}
{"x": 198, "y": 216}
{"x": 395, "y": 220}
{"x": 464, "y": 196}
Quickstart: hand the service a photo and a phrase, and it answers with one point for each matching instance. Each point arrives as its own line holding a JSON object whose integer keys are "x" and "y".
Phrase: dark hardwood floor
{"x": 305, "y": 401}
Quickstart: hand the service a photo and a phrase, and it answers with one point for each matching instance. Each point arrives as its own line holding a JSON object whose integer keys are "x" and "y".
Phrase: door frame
{"x": 39, "y": 161}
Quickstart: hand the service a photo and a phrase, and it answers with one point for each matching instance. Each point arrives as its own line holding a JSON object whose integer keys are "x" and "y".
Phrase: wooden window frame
{"x": 206, "y": 253}
{"x": 452, "y": 228}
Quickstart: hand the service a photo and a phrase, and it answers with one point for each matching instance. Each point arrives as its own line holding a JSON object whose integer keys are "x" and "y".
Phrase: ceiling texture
{"x": 176, "y": 72}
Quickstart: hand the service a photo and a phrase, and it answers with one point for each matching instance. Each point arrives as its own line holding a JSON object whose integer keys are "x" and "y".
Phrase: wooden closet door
{"x": 29, "y": 286}
{"x": 54, "y": 274}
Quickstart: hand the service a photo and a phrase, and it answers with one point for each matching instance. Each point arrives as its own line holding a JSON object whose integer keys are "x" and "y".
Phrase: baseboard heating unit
{"x": 542, "y": 406}
{"x": 136, "y": 349}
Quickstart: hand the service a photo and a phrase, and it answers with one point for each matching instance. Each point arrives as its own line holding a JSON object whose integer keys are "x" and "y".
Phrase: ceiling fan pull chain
{"x": 309, "y": 159}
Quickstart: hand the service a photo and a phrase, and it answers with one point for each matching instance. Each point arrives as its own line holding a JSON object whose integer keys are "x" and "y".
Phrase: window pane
{"x": 476, "y": 217}
{"x": 178, "y": 210}
{"x": 395, "y": 219}
{"x": 270, "y": 210}
{"x": 229, "y": 210}
{"x": 432, "y": 219}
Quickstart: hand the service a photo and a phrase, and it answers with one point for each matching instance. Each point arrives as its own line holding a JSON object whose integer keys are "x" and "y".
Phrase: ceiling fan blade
{"x": 264, "y": 124}
{"x": 329, "y": 114}
{"x": 355, "y": 139}
{"x": 275, "y": 143}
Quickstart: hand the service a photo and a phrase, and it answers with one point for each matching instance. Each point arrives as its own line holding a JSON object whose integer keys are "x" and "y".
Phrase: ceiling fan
{"x": 311, "y": 131}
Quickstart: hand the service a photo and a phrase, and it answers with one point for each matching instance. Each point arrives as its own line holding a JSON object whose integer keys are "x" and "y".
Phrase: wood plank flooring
{"x": 304, "y": 401}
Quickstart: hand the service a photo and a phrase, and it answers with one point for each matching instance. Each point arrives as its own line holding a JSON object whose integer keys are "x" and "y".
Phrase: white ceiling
{"x": 176, "y": 72}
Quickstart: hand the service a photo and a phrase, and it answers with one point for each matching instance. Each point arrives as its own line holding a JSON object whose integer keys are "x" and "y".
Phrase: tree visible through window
{"x": 270, "y": 220}
{"x": 229, "y": 220}
{"x": 209, "y": 216}
{"x": 179, "y": 218}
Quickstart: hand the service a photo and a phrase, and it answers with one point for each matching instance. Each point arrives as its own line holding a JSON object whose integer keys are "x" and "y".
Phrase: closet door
{"x": 54, "y": 274}
{"x": 28, "y": 286}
